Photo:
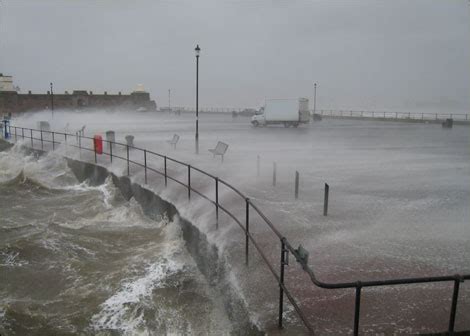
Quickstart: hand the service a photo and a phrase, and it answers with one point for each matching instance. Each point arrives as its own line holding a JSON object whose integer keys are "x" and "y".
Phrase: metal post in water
{"x": 22, "y": 132}
{"x": 127, "y": 149}
{"x": 247, "y": 229}
{"x": 274, "y": 174}
{"x": 15, "y": 134}
{"x": 53, "y": 145}
{"x": 281, "y": 282}
{"x": 32, "y": 142}
{"x": 216, "y": 203}
{"x": 166, "y": 179}
{"x": 145, "y": 165}
{"x": 357, "y": 308}
{"x": 42, "y": 144}
{"x": 296, "y": 184}
{"x": 325, "y": 201}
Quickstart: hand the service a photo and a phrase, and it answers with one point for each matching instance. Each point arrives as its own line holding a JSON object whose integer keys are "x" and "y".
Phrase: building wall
{"x": 13, "y": 102}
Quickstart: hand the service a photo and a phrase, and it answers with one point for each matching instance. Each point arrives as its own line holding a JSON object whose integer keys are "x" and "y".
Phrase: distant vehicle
{"x": 287, "y": 112}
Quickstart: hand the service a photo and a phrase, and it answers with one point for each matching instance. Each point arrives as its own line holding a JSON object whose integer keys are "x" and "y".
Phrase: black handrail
{"x": 286, "y": 247}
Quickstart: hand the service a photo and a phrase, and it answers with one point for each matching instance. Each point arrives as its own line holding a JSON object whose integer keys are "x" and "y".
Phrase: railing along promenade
{"x": 393, "y": 115}
{"x": 84, "y": 143}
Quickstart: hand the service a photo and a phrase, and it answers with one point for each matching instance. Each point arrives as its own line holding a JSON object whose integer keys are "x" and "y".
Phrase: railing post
{"x": 65, "y": 140}
{"x": 166, "y": 178}
{"x": 189, "y": 182}
{"x": 53, "y": 145}
{"x": 281, "y": 281}
{"x": 22, "y": 132}
{"x": 145, "y": 165}
{"x": 16, "y": 139}
{"x": 357, "y": 308}
{"x": 32, "y": 142}
{"x": 325, "y": 200}
{"x": 111, "y": 151}
{"x": 455, "y": 298}
{"x": 436, "y": 116}
{"x": 247, "y": 230}
{"x": 127, "y": 150}
{"x": 296, "y": 184}
{"x": 79, "y": 145}
{"x": 94, "y": 149}
{"x": 396, "y": 115}
{"x": 216, "y": 203}
{"x": 42, "y": 143}
{"x": 422, "y": 116}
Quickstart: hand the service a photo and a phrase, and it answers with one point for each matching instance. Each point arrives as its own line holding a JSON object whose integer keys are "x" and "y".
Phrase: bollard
{"x": 325, "y": 202}
{"x": 274, "y": 174}
{"x": 257, "y": 166}
{"x": 296, "y": 184}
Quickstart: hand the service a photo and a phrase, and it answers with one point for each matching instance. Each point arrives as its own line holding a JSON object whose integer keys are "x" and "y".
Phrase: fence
{"x": 393, "y": 115}
{"x": 244, "y": 224}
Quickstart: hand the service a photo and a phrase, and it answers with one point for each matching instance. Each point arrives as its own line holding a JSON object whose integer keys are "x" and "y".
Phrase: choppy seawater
{"x": 79, "y": 259}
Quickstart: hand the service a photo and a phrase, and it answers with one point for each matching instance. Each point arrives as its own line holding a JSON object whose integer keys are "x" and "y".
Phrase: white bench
{"x": 220, "y": 149}
{"x": 174, "y": 141}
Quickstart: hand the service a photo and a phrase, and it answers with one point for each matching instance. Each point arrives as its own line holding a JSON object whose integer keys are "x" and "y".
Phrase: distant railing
{"x": 393, "y": 115}
{"x": 286, "y": 246}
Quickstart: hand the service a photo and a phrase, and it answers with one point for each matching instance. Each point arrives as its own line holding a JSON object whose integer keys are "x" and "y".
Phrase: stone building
{"x": 11, "y": 101}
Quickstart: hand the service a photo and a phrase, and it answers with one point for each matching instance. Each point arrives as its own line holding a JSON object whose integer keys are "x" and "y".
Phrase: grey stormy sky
{"x": 367, "y": 54}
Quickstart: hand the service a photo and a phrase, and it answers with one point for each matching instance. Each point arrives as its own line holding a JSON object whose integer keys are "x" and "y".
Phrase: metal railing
{"x": 394, "y": 115}
{"x": 285, "y": 245}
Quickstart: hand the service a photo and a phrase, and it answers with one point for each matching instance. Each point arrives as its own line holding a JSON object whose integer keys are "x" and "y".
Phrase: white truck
{"x": 287, "y": 112}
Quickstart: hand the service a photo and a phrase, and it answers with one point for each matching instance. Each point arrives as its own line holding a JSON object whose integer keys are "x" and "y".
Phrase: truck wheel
{"x": 255, "y": 123}
{"x": 286, "y": 124}
{"x": 296, "y": 125}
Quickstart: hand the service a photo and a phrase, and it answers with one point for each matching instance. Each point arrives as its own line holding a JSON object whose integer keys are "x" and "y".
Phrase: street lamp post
{"x": 314, "y": 98}
{"x": 197, "y": 50}
{"x": 52, "y": 101}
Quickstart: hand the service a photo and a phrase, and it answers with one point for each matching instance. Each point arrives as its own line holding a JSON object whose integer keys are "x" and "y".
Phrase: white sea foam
{"x": 11, "y": 259}
{"x": 122, "y": 310}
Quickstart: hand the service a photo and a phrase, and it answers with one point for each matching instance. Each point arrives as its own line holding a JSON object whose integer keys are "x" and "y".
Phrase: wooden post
{"x": 325, "y": 201}
{"x": 296, "y": 184}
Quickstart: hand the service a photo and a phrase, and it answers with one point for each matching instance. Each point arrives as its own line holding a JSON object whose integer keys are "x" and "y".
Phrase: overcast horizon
{"x": 367, "y": 55}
